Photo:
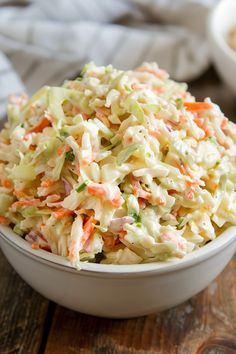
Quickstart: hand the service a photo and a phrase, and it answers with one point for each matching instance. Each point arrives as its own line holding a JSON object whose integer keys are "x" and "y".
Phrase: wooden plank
{"x": 205, "y": 324}
{"x": 22, "y": 313}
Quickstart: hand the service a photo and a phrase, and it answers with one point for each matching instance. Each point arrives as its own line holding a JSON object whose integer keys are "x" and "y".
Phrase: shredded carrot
{"x": 135, "y": 185}
{"x": 62, "y": 213}
{"x": 19, "y": 193}
{"x": 88, "y": 230}
{"x": 172, "y": 191}
{"x": 138, "y": 191}
{"x": 154, "y": 132}
{"x": 161, "y": 201}
{"x": 182, "y": 168}
{"x": 189, "y": 183}
{"x": 109, "y": 240}
{"x": 31, "y": 202}
{"x": 45, "y": 247}
{"x": 62, "y": 149}
{"x": 199, "y": 122}
{"x": 77, "y": 169}
{"x": 158, "y": 89}
{"x": 35, "y": 246}
{"x": 32, "y": 147}
{"x": 47, "y": 183}
{"x": 130, "y": 140}
{"x": 45, "y": 122}
{"x": 97, "y": 191}
{"x": 6, "y": 183}
{"x": 136, "y": 86}
{"x": 141, "y": 203}
{"x": 116, "y": 202}
{"x": 190, "y": 194}
{"x": 122, "y": 234}
{"x": 224, "y": 123}
{"x": 197, "y": 106}
{"x": 4, "y": 220}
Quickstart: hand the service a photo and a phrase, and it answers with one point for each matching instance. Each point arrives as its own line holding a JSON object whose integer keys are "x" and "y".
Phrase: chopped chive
{"x": 70, "y": 155}
{"x": 179, "y": 103}
{"x": 136, "y": 217}
{"x": 64, "y": 133}
{"x": 82, "y": 186}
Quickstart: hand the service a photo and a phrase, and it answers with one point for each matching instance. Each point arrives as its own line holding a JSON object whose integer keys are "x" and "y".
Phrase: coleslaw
{"x": 117, "y": 167}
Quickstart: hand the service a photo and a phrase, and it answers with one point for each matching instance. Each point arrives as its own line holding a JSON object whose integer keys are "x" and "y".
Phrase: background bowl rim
{"x": 217, "y": 35}
{"x": 94, "y": 269}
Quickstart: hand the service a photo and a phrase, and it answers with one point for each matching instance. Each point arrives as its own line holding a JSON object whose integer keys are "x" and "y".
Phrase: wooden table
{"x": 206, "y": 324}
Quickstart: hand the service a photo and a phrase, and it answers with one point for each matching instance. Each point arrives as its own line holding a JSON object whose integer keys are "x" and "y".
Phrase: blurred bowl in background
{"x": 221, "y": 22}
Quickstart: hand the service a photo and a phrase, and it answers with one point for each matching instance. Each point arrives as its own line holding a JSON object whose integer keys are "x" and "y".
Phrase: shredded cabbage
{"x": 118, "y": 167}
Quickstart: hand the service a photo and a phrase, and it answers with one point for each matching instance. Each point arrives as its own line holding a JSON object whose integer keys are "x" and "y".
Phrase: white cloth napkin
{"x": 47, "y": 41}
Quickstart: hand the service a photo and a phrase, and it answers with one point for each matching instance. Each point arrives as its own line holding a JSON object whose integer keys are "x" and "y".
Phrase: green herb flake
{"x": 70, "y": 156}
{"x": 181, "y": 221}
{"x": 179, "y": 103}
{"x": 82, "y": 186}
{"x": 136, "y": 217}
{"x": 63, "y": 133}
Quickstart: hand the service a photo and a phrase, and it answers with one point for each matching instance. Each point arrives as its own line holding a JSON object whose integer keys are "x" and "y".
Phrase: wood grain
{"x": 206, "y": 324}
{"x": 22, "y": 313}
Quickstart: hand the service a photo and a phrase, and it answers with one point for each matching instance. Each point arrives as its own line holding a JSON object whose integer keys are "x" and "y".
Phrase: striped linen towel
{"x": 45, "y": 41}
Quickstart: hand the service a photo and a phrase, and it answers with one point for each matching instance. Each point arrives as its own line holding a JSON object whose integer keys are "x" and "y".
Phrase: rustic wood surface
{"x": 22, "y": 313}
{"x": 206, "y": 324}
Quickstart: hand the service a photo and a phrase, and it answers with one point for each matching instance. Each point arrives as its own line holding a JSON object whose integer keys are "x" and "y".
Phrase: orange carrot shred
{"x": 197, "y": 106}
{"x": 47, "y": 183}
{"x": 30, "y": 202}
{"x": 4, "y": 220}
{"x": 161, "y": 201}
{"x": 40, "y": 127}
{"x": 88, "y": 230}
{"x": 6, "y": 183}
{"x": 97, "y": 191}
{"x": 62, "y": 213}
{"x": 35, "y": 246}
{"x": 224, "y": 123}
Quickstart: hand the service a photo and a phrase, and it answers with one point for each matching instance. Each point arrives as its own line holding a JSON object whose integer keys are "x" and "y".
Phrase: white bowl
{"x": 221, "y": 21}
{"x": 118, "y": 291}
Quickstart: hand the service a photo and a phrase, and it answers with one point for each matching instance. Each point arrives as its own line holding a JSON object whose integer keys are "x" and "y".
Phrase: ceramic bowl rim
{"x": 215, "y": 29}
{"x": 211, "y": 249}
